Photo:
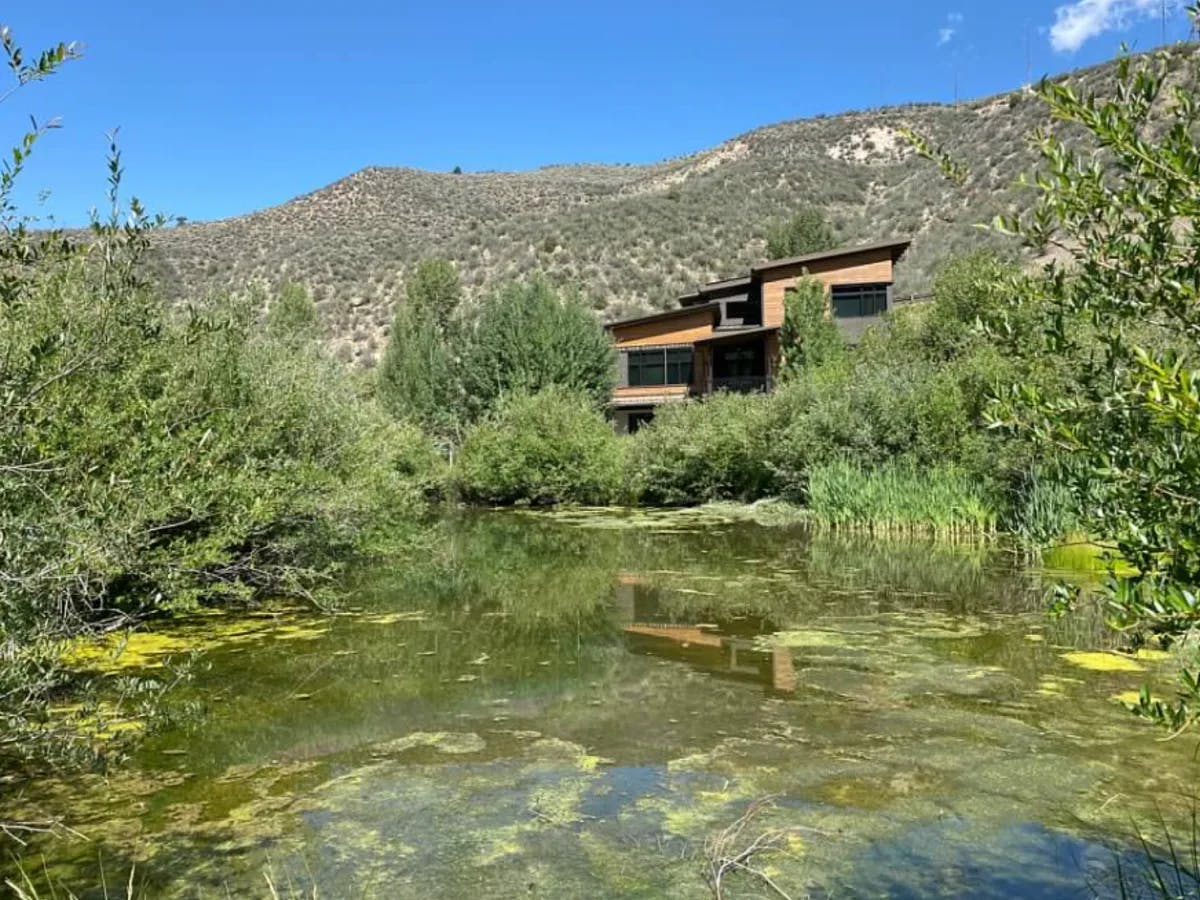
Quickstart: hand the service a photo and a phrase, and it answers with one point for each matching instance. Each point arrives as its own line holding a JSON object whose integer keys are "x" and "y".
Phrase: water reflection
{"x": 704, "y": 645}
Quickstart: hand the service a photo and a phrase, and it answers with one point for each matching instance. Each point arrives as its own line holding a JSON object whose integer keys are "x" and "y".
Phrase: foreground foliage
{"x": 157, "y": 457}
{"x": 1127, "y": 211}
{"x": 1119, "y": 206}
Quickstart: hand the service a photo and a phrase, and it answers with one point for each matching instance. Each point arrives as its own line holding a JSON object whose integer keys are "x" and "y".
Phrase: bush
{"x": 292, "y": 315}
{"x": 693, "y": 452}
{"x": 549, "y": 447}
{"x": 808, "y": 231}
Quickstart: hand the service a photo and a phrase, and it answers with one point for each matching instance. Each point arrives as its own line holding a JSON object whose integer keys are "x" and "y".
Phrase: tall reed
{"x": 899, "y": 498}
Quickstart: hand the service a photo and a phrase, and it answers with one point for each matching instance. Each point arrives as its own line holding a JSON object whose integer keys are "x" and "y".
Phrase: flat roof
{"x": 668, "y": 314}
{"x": 723, "y": 284}
{"x": 714, "y": 287}
{"x": 897, "y": 247}
{"x": 729, "y": 334}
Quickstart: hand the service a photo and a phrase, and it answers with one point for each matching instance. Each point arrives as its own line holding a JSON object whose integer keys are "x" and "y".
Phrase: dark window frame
{"x": 659, "y": 366}
{"x": 859, "y": 301}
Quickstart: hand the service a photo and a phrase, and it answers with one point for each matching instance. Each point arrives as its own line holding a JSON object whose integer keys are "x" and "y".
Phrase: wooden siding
{"x": 771, "y": 346}
{"x": 673, "y": 330}
{"x": 870, "y": 267}
{"x": 650, "y": 394}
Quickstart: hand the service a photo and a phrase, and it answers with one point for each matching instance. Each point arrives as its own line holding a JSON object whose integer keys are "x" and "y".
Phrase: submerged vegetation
{"x": 489, "y": 714}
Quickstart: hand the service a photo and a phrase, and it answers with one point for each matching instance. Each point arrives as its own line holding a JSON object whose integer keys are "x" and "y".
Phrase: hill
{"x": 631, "y": 236}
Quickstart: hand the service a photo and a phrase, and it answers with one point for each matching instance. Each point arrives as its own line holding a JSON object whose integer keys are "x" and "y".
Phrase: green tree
{"x": 808, "y": 231}
{"x": 419, "y": 378}
{"x": 1121, "y": 300}
{"x": 528, "y": 336}
{"x": 809, "y": 336}
{"x": 433, "y": 292}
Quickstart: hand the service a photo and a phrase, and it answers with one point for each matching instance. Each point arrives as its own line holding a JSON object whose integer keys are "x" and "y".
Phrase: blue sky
{"x": 225, "y": 107}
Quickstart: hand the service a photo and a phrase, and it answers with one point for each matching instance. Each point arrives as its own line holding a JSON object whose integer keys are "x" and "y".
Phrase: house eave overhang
{"x": 896, "y": 247}
{"x": 735, "y": 334}
{"x": 712, "y": 307}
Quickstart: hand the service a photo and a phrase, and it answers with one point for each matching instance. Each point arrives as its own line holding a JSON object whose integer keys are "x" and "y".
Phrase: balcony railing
{"x": 743, "y": 384}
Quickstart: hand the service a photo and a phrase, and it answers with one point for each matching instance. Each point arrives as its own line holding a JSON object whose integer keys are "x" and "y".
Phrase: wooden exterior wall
{"x": 683, "y": 329}
{"x": 870, "y": 267}
{"x": 771, "y": 346}
{"x": 650, "y": 394}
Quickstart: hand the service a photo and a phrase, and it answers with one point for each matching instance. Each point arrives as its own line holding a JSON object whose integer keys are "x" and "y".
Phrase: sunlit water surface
{"x": 575, "y": 705}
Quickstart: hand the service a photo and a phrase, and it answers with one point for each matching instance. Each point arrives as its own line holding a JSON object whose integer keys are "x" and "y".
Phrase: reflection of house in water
{"x": 702, "y": 645}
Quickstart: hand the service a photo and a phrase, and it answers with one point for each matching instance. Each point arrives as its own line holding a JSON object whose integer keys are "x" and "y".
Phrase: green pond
{"x": 578, "y": 704}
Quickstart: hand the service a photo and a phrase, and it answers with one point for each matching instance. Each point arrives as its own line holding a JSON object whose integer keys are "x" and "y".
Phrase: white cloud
{"x": 1077, "y": 23}
{"x": 947, "y": 32}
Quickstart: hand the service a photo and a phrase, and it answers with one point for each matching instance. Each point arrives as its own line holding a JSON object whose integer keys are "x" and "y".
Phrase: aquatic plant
{"x": 1168, "y": 872}
{"x": 899, "y": 498}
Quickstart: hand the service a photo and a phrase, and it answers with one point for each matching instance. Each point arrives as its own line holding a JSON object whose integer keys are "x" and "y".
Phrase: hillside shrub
{"x": 292, "y": 314}
{"x": 807, "y": 231}
{"x": 548, "y": 447}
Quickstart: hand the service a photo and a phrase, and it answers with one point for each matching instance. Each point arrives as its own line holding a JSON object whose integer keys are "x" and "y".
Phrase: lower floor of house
{"x": 629, "y": 420}
{"x": 736, "y": 361}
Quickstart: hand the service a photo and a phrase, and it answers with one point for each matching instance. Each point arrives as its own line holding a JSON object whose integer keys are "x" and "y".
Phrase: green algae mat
{"x": 584, "y": 704}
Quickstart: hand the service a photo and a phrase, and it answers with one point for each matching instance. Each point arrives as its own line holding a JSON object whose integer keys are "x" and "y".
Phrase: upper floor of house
{"x": 725, "y": 335}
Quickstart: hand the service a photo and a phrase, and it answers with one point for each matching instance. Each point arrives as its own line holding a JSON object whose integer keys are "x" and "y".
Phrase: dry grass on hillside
{"x": 632, "y": 237}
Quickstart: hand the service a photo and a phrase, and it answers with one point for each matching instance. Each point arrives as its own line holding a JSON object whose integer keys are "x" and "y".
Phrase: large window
{"x": 661, "y": 365}
{"x": 854, "y": 300}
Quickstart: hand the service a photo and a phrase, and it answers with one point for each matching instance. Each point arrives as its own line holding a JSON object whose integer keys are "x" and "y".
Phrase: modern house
{"x": 725, "y": 336}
